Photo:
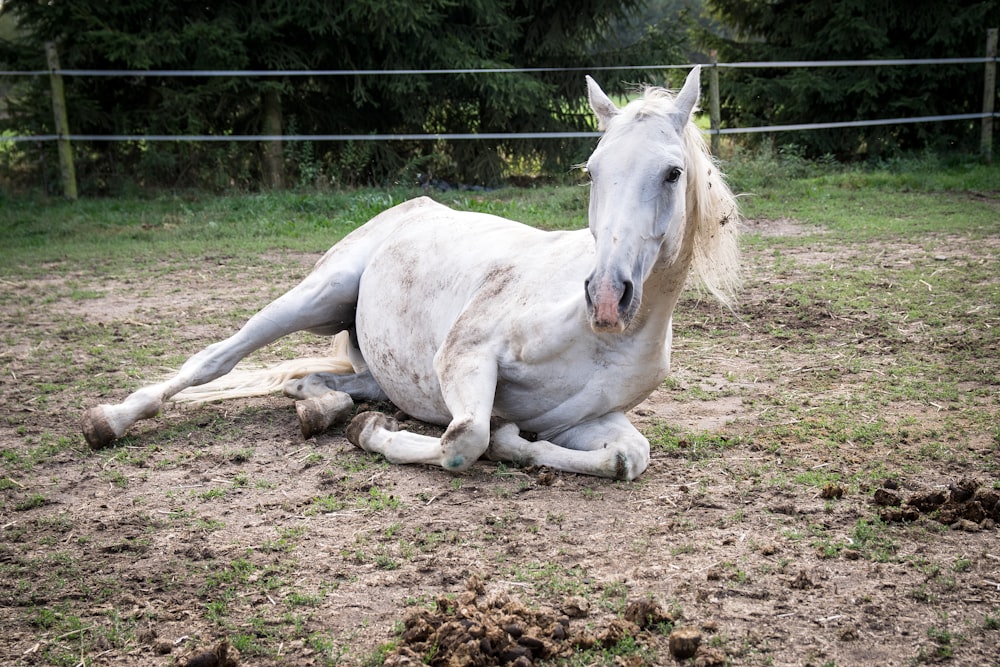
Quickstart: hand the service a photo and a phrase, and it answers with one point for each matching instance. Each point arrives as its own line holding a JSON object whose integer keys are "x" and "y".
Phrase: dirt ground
{"x": 218, "y": 528}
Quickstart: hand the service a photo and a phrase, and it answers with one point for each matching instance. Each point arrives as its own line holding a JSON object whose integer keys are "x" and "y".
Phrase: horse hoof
{"x": 96, "y": 428}
{"x": 319, "y": 413}
{"x": 364, "y": 424}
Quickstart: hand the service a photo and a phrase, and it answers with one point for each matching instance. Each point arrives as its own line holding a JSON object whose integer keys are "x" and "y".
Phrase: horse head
{"x": 637, "y": 197}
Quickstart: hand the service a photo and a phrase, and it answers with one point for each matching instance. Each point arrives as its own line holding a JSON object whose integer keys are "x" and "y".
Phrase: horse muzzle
{"x": 611, "y": 304}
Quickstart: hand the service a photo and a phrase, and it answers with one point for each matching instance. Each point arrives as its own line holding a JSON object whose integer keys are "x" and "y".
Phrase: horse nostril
{"x": 586, "y": 292}
{"x": 627, "y": 292}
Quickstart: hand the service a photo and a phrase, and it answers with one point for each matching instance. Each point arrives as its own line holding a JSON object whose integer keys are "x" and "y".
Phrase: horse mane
{"x": 711, "y": 206}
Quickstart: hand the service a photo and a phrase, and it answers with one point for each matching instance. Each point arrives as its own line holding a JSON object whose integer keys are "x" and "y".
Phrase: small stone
{"x": 886, "y": 498}
{"x": 963, "y": 489}
{"x": 832, "y": 490}
{"x": 966, "y": 525}
{"x": 576, "y": 607}
{"x": 684, "y": 642}
{"x": 802, "y": 581}
{"x": 646, "y": 613}
{"x": 709, "y": 657}
{"x": 926, "y": 502}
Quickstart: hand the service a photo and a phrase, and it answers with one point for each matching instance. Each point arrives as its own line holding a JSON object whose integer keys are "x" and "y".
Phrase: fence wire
{"x": 484, "y": 135}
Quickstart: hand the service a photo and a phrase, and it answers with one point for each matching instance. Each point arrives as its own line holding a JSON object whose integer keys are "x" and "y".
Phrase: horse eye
{"x": 674, "y": 174}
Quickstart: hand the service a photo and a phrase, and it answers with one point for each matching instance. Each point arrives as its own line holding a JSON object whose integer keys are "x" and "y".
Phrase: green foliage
{"x": 794, "y": 30}
{"x": 280, "y": 35}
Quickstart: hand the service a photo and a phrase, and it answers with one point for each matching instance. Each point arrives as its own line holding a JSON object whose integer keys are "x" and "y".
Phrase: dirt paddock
{"x": 807, "y": 502}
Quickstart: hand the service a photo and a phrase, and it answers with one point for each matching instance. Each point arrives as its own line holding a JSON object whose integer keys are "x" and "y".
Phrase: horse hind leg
{"x": 318, "y": 406}
{"x": 324, "y": 300}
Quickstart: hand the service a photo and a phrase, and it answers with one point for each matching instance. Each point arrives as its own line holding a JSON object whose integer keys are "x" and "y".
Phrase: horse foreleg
{"x": 606, "y": 447}
{"x": 319, "y": 301}
{"x": 468, "y": 385}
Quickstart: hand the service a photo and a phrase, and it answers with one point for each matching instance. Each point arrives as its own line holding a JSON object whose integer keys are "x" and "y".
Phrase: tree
{"x": 321, "y": 34}
{"x": 796, "y": 30}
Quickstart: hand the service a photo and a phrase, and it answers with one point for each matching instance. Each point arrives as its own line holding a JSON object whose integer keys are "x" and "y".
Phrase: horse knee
{"x": 463, "y": 442}
{"x": 630, "y": 462}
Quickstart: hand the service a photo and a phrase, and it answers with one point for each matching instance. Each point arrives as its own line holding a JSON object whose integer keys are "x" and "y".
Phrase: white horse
{"x": 492, "y": 328}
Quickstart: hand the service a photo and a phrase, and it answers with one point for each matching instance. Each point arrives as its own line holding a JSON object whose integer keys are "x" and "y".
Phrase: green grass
{"x": 161, "y": 233}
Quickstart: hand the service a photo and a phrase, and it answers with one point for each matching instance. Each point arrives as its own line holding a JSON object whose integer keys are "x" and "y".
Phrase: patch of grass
{"x": 287, "y": 538}
{"x": 236, "y": 572}
{"x": 32, "y": 501}
{"x": 377, "y": 657}
{"x": 377, "y": 500}
{"x": 141, "y": 232}
{"x": 240, "y": 455}
{"x": 962, "y": 565}
{"x": 211, "y": 494}
{"x": 944, "y": 641}
{"x": 553, "y": 579}
{"x": 208, "y": 525}
{"x": 627, "y": 650}
{"x": 845, "y": 200}
{"x": 329, "y": 649}
{"x": 677, "y": 442}
{"x": 871, "y": 537}
{"x": 327, "y": 504}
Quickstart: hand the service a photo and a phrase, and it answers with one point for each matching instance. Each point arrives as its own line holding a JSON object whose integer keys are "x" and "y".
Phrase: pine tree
{"x": 321, "y": 35}
{"x": 797, "y": 30}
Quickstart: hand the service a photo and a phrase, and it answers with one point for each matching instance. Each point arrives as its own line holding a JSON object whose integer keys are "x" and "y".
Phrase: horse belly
{"x": 399, "y": 346}
{"x": 412, "y": 292}
{"x": 548, "y": 398}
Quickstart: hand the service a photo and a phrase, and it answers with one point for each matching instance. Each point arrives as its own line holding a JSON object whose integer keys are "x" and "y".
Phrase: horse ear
{"x": 687, "y": 98}
{"x": 602, "y": 105}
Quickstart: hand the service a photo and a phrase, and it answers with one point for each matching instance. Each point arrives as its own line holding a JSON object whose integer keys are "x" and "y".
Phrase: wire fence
{"x": 64, "y": 138}
{"x": 715, "y": 130}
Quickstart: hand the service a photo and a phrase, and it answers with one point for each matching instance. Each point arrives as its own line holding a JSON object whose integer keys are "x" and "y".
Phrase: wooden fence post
{"x": 989, "y": 95}
{"x": 274, "y": 156}
{"x": 714, "y": 115}
{"x": 66, "y": 168}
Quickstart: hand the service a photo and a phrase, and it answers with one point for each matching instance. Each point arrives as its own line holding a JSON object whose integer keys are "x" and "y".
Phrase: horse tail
{"x": 248, "y": 382}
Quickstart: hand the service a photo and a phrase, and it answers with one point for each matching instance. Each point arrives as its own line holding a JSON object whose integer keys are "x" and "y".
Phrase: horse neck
{"x": 663, "y": 287}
